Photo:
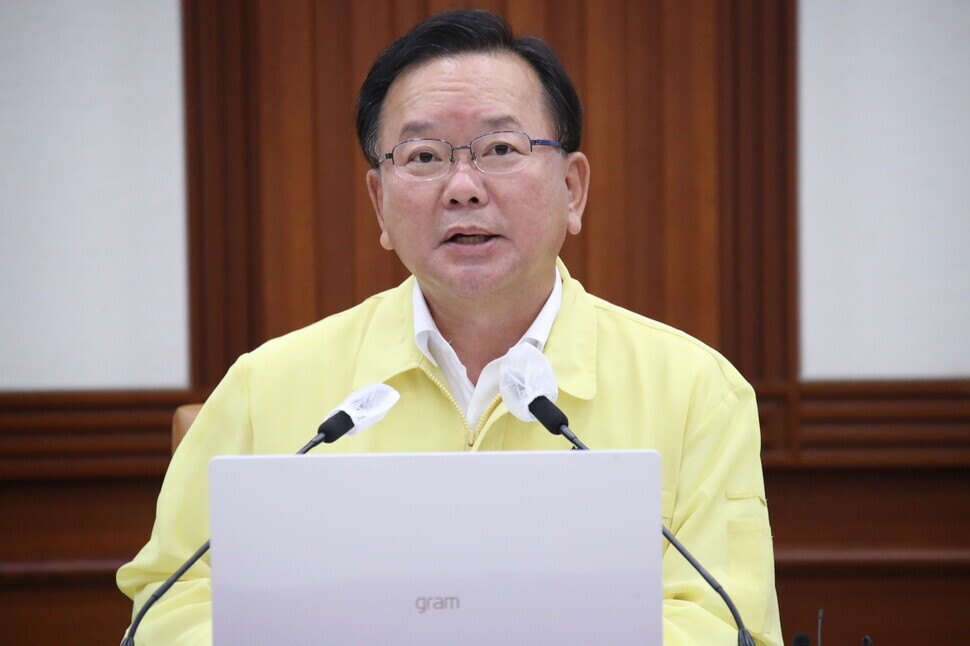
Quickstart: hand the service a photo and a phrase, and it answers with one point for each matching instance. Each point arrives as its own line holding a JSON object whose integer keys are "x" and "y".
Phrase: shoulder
{"x": 338, "y": 340}
{"x": 623, "y": 332}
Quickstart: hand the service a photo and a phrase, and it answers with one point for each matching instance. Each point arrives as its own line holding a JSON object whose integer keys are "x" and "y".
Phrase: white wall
{"x": 93, "y": 253}
{"x": 884, "y": 188}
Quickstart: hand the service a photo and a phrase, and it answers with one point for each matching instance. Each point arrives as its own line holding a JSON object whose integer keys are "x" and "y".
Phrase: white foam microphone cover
{"x": 524, "y": 374}
{"x": 368, "y": 405}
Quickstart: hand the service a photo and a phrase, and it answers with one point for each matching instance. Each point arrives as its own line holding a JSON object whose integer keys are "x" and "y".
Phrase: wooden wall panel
{"x": 893, "y": 608}
{"x": 898, "y": 424}
{"x": 690, "y": 129}
{"x": 67, "y": 611}
{"x": 61, "y": 541}
{"x": 222, "y": 159}
{"x": 79, "y": 435}
{"x": 285, "y": 126}
{"x": 649, "y": 74}
{"x": 607, "y": 216}
{"x": 689, "y": 164}
{"x": 336, "y": 158}
{"x": 642, "y": 140}
{"x": 884, "y": 551}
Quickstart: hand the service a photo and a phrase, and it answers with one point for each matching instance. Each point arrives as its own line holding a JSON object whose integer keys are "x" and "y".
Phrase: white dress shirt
{"x": 473, "y": 399}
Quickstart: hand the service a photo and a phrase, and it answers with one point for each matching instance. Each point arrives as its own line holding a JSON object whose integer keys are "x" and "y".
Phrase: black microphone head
{"x": 548, "y": 414}
{"x": 801, "y": 639}
{"x": 335, "y": 426}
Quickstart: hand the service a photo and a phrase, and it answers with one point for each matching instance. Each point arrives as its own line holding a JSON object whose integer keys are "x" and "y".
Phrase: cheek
{"x": 543, "y": 209}
{"x": 407, "y": 214}
{"x": 399, "y": 205}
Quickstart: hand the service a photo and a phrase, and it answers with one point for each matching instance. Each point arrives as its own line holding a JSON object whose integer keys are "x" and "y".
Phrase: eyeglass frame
{"x": 532, "y": 144}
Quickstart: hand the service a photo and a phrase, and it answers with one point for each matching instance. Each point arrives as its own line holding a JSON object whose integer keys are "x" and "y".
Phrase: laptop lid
{"x": 484, "y": 548}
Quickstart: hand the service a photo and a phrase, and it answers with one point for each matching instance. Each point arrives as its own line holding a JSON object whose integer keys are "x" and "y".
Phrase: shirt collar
{"x": 388, "y": 348}
{"x": 426, "y": 333}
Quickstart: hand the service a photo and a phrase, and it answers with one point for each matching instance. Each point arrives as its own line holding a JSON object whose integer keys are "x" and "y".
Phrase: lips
{"x": 467, "y": 235}
{"x": 470, "y": 238}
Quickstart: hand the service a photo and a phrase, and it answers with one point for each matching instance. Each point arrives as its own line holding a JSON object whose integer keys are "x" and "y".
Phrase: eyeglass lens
{"x": 497, "y": 152}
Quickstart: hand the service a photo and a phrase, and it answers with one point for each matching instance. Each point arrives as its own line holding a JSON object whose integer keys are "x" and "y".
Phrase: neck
{"x": 482, "y": 330}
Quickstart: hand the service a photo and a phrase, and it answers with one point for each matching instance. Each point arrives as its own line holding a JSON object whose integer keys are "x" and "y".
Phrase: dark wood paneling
{"x": 335, "y": 161}
{"x": 79, "y": 435}
{"x": 894, "y": 608}
{"x": 884, "y": 551}
{"x": 689, "y": 161}
{"x": 222, "y": 157}
{"x": 898, "y": 423}
{"x": 285, "y": 78}
{"x": 61, "y": 542}
{"x": 877, "y": 509}
{"x": 757, "y": 207}
{"x": 66, "y": 612}
{"x": 87, "y": 520}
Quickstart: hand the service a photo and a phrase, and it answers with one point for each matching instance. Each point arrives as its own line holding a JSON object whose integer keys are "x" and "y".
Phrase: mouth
{"x": 470, "y": 238}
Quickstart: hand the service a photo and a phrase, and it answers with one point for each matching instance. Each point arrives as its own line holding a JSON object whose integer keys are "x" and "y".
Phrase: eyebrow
{"x": 503, "y": 121}
{"x": 418, "y": 129}
{"x": 413, "y": 129}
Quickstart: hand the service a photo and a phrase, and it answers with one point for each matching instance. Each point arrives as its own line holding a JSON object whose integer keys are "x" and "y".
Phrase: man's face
{"x": 470, "y": 234}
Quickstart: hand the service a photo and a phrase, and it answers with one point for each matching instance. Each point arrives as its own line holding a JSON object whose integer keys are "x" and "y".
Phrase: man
{"x": 473, "y": 137}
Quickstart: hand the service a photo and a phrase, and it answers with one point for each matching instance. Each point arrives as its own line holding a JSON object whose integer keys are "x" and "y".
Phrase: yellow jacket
{"x": 625, "y": 382}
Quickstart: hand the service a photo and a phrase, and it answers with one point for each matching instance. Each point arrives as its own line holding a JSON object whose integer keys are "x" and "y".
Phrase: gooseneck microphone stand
{"x": 550, "y": 416}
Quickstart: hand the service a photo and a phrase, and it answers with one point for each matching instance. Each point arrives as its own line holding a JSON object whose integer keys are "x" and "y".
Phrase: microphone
{"x": 801, "y": 639}
{"x": 528, "y": 387}
{"x": 362, "y": 408}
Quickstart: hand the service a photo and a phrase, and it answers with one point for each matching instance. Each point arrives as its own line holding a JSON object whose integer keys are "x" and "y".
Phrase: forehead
{"x": 464, "y": 96}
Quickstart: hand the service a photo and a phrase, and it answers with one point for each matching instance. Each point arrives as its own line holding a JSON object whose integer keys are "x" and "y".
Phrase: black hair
{"x": 467, "y": 31}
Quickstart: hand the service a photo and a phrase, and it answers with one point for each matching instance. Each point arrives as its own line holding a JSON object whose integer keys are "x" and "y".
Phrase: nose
{"x": 465, "y": 183}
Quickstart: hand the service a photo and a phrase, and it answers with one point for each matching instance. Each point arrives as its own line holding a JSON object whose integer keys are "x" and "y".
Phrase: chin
{"x": 475, "y": 282}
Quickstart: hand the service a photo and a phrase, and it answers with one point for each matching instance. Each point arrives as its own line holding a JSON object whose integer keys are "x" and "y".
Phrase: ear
{"x": 376, "y": 191}
{"x": 577, "y": 187}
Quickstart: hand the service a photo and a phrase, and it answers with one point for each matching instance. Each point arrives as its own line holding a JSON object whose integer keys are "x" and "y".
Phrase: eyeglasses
{"x": 495, "y": 153}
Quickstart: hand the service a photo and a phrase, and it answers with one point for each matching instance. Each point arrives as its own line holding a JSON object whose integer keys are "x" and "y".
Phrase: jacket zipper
{"x": 485, "y": 415}
{"x": 471, "y": 434}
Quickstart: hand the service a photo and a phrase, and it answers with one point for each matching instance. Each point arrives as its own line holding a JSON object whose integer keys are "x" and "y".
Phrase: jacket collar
{"x": 388, "y": 346}
{"x": 572, "y": 342}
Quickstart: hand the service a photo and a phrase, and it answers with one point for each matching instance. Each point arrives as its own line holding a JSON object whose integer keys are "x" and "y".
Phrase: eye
{"x": 501, "y": 149}
{"x": 421, "y": 153}
{"x": 502, "y": 145}
{"x": 422, "y": 156}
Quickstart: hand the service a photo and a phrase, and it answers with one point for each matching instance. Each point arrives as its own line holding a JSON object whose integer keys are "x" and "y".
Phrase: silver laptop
{"x": 491, "y": 548}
